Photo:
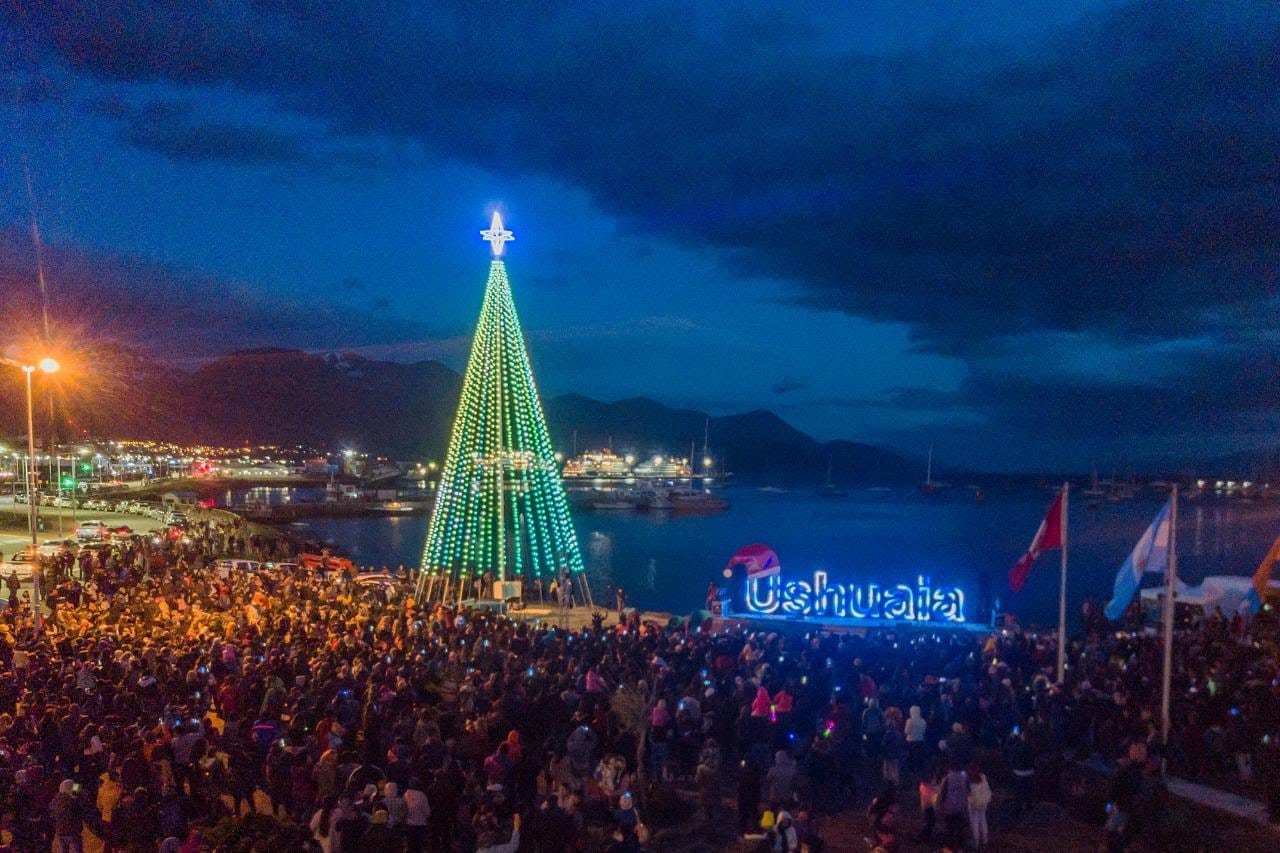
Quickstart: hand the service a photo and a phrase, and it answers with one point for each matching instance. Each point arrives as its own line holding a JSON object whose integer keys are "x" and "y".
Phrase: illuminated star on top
{"x": 497, "y": 235}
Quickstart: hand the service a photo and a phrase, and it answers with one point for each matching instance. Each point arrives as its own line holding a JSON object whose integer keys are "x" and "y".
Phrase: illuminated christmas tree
{"x": 500, "y": 507}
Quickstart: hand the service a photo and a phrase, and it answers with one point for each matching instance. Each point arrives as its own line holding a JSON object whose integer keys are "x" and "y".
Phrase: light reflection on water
{"x": 665, "y": 562}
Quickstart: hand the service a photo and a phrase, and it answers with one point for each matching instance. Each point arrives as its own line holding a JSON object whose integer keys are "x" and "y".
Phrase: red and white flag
{"x": 1048, "y": 537}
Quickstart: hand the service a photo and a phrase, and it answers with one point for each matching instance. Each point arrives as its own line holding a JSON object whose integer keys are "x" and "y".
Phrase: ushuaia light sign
{"x": 773, "y": 595}
{"x": 761, "y": 590}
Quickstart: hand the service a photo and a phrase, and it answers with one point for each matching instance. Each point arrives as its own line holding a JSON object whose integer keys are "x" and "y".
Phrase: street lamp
{"x": 47, "y": 365}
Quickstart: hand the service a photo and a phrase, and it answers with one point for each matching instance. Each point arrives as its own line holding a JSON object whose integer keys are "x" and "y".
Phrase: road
{"x": 64, "y": 520}
{"x": 11, "y": 541}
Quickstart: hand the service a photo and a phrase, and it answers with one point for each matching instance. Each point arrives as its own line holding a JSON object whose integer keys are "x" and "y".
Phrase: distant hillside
{"x": 328, "y": 400}
{"x": 755, "y": 444}
{"x": 1262, "y": 463}
{"x": 285, "y": 396}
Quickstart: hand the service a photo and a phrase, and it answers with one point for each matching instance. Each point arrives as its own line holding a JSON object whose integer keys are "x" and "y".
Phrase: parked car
{"x": 383, "y": 580}
{"x": 91, "y": 529}
{"x": 52, "y": 547}
{"x": 19, "y": 562}
{"x": 226, "y": 567}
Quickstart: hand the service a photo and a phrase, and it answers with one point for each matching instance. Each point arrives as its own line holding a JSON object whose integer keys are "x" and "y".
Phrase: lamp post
{"x": 46, "y": 365}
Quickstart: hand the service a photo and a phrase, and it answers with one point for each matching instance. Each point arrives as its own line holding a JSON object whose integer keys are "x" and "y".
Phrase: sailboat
{"x": 1094, "y": 493}
{"x": 829, "y": 489}
{"x": 929, "y": 487}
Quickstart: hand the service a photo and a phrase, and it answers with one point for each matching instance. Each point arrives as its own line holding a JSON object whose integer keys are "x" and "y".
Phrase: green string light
{"x": 500, "y": 504}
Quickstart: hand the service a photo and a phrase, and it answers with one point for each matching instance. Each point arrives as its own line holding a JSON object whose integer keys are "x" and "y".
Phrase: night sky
{"x": 1035, "y": 233}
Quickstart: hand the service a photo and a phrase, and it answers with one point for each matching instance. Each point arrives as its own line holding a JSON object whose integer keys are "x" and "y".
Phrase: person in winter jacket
{"x": 784, "y": 836}
{"x": 580, "y": 746}
{"x": 417, "y": 815}
{"x": 780, "y": 781}
{"x": 979, "y": 799}
{"x": 914, "y": 732}
{"x": 67, "y": 812}
{"x": 953, "y": 803}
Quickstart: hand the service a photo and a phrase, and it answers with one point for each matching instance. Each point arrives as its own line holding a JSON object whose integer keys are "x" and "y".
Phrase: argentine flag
{"x": 1151, "y": 554}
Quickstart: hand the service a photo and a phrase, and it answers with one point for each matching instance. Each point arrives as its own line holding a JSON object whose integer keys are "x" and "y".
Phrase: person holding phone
{"x": 487, "y": 844}
{"x": 67, "y": 811}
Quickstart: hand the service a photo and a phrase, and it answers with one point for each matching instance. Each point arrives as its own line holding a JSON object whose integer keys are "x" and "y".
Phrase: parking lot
{"x": 61, "y": 523}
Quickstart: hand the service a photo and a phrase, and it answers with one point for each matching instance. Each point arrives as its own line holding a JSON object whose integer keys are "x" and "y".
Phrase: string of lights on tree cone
{"x": 500, "y": 506}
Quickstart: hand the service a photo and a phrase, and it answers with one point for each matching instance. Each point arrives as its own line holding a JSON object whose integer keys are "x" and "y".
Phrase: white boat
{"x": 929, "y": 487}
{"x": 602, "y": 464}
{"x": 613, "y": 501}
{"x": 652, "y": 497}
{"x": 694, "y": 500}
{"x": 830, "y": 489}
{"x": 672, "y": 467}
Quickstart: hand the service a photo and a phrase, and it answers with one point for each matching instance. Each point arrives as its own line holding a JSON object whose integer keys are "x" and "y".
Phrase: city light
{"x": 49, "y": 365}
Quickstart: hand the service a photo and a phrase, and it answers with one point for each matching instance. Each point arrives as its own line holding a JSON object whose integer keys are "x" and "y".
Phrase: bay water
{"x": 664, "y": 561}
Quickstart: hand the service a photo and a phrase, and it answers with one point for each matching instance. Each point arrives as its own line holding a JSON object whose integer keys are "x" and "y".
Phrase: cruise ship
{"x": 598, "y": 464}
{"x": 664, "y": 468}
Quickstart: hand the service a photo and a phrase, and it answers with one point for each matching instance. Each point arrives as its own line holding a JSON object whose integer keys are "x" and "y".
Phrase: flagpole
{"x": 1171, "y": 581}
{"x": 1062, "y": 593}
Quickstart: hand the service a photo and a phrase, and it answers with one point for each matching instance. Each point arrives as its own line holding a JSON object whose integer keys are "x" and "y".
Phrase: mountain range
{"x": 285, "y": 396}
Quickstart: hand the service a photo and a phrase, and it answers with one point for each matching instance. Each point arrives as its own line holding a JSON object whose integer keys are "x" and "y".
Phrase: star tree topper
{"x": 497, "y": 235}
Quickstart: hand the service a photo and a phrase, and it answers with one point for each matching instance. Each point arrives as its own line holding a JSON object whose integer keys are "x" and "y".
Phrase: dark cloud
{"x": 173, "y": 129}
{"x": 788, "y": 384}
{"x": 1106, "y": 170}
{"x": 172, "y": 312}
{"x": 212, "y": 142}
{"x": 1116, "y": 172}
{"x": 177, "y": 129}
{"x": 912, "y": 399}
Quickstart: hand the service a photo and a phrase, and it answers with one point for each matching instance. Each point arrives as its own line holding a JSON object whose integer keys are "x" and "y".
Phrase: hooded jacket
{"x": 915, "y": 726}
{"x": 780, "y": 781}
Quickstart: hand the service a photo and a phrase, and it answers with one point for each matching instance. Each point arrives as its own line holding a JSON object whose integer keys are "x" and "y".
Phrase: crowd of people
{"x": 166, "y": 696}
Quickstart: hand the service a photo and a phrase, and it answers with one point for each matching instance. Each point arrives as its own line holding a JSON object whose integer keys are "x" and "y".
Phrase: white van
{"x": 226, "y": 567}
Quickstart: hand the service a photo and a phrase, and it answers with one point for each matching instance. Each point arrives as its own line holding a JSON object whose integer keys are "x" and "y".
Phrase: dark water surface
{"x": 665, "y": 561}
